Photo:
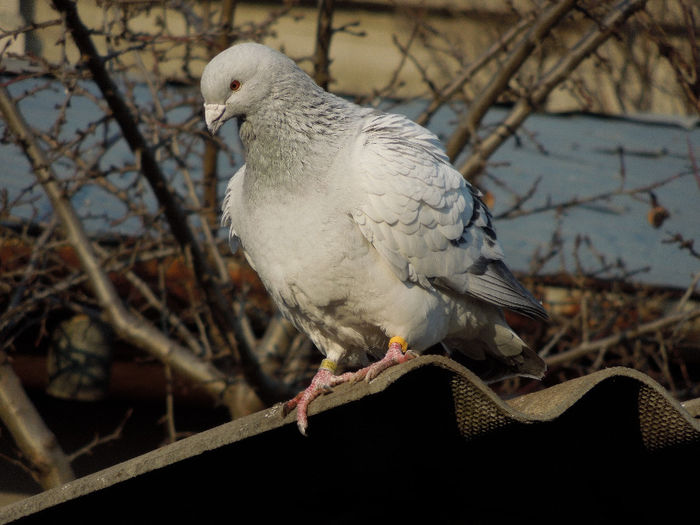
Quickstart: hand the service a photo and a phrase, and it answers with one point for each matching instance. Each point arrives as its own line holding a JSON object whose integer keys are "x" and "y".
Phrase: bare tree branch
{"x": 468, "y": 73}
{"x": 516, "y": 209}
{"x": 49, "y": 464}
{"x": 686, "y": 69}
{"x": 324, "y": 32}
{"x": 619, "y": 14}
{"x": 125, "y": 325}
{"x": 101, "y": 440}
{"x": 211, "y": 149}
{"x": 151, "y": 299}
{"x": 600, "y": 344}
{"x": 154, "y": 265}
{"x": 478, "y": 108}
{"x": 233, "y": 327}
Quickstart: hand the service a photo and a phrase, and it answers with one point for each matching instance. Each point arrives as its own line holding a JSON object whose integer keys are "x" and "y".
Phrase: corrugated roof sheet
{"x": 425, "y": 441}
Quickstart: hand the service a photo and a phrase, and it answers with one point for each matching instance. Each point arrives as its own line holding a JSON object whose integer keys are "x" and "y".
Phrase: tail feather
{"x": 496, "y": 285}
{"x": 497, "y": 355}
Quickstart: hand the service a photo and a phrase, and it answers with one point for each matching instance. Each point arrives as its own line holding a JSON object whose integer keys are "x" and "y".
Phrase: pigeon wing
{"x": 428, "y": 223}
{"x": 231, "y": 204}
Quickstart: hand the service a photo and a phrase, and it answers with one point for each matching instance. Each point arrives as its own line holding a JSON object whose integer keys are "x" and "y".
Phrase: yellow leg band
{"x": 329, "y": 365}
{"x": 401, "y": 341}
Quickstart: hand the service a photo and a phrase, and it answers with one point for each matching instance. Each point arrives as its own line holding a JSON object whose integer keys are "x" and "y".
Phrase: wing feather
{"x": 428, "y": 223}
{"x": 232, "y": 198}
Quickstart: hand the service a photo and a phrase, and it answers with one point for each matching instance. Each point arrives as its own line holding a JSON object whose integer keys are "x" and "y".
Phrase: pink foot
{"x": 324, "y": 381}
{"x": 394, "y": 356}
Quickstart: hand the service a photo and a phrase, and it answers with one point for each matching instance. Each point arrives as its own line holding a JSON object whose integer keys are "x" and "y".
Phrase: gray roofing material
{"x": 425, "y": 441}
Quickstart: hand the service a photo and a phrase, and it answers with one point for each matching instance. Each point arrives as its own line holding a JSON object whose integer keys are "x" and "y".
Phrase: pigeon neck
{"x": 290, "y": 141}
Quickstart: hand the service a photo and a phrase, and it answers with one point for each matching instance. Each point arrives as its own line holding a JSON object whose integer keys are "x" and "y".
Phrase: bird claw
{"x": 290, "y": 405}
{"x": 394, "y": 356}
{"x": 358, "y": 376}
{"x": 324, "y": 381}
{"x": 321, "y": 384}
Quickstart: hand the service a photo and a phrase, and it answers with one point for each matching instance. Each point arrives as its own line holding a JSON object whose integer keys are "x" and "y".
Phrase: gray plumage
{"x": 357, "y": 223}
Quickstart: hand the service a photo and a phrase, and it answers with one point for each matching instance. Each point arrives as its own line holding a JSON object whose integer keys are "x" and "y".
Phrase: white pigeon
{"x": 359, "y": 227}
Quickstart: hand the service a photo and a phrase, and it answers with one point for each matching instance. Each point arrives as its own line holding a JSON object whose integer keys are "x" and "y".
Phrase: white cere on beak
{"x": 212, "y": 116}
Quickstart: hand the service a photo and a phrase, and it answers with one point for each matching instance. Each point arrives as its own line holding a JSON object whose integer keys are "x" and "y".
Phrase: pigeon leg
{"x": 325, "y": 380}
{"x": 321, "y": 384}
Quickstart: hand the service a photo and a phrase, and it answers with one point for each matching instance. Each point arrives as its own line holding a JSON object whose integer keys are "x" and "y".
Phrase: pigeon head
{"x": 237, "y": 81}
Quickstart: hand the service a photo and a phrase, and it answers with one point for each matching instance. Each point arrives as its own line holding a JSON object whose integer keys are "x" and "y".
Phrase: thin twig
{"x": 517, "y": 211}
{"x": 468, "y": 73}
{"x": 230, "y": 324}
{"x": 629, "y": 334}
{"x": 688, "y": 293}
{"x": 98, "y": 440}
{"x": 619, "y": 14}
{"x": 470, "y": 122}
{"x": 131, "y": 329}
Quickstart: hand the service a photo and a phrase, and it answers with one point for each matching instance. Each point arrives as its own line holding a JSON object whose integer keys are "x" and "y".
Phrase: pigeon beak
{"x": 212, "y": 116}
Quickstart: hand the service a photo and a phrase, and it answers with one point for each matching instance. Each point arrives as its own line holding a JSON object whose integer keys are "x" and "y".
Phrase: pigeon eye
{"x": 235, "y": 85}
